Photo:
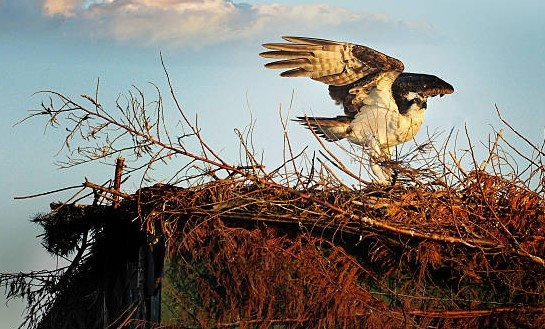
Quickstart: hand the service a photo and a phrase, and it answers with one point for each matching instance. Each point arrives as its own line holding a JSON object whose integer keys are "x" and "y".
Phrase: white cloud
{"x": 65, "y": 8}
{"x": 202, "y": 22}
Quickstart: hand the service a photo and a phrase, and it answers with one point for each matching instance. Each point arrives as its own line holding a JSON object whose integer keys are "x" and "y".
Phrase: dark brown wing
{"x": 352, "y": 96}
{"x": 334, "y": 63}
{"x": 423, "y": 84}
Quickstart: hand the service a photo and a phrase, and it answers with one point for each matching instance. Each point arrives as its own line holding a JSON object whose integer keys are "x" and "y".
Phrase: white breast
{"x": 410, "y": 123}
{"x": 383, "y": 124}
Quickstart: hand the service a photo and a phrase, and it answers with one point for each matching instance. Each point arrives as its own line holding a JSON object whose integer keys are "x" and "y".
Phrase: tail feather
{"x": 332, "y": 129}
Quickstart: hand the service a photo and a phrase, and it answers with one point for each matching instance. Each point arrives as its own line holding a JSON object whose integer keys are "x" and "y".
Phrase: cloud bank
{"x": 65, "y": 8}
{"x": 203, "y": 22}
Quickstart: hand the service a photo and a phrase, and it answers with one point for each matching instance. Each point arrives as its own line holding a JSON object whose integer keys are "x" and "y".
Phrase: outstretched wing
{"x": 425, "y": 85}
{"x": 351, "y": 70}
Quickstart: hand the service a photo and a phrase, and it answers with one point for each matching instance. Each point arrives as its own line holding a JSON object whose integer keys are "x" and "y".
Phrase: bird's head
{"x": 416, "y": 100}
{"x": 411, "y": 90}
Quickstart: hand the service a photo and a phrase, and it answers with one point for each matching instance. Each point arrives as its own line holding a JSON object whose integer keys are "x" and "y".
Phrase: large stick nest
{"x": 462, "y": 256}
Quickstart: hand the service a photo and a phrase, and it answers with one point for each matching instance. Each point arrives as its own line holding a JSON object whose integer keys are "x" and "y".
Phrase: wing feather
{"x": 331, "y": 62}
{"x": 310, "y": 41}
{"x": 285, "y": 54}
{"x": 289, "y": 63}
{"x": 424, "y": 84}
{"x": 291, "y": 46}
{"x": 296, "y": 73}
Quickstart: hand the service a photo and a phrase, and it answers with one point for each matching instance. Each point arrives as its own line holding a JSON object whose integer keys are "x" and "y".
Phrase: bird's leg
{"x": 382, "y": 175}
{"x": 387, "y": 156}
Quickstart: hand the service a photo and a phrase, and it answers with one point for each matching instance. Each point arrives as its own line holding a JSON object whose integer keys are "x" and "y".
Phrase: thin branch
{"x": 47, "y": 193}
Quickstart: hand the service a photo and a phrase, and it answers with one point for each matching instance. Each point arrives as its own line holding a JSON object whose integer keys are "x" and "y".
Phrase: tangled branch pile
{"x": 463, "y": 256}
{"x": 299, "y": 246}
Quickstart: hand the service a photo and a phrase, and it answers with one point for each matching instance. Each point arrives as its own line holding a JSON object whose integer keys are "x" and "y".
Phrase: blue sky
{"x": 492, "y": 52}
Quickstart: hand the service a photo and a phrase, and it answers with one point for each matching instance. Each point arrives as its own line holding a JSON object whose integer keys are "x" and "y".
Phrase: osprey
{"x": 383, "y": 106}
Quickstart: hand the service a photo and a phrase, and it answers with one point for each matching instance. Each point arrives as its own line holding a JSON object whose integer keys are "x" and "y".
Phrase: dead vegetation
{"x": 309, "y": 243}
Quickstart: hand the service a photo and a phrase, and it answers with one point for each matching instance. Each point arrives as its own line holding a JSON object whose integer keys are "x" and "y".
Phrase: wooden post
{"x": 119, "y": 164}
{"x": 119, "y": 285}
{"x": 132, "y": 279}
